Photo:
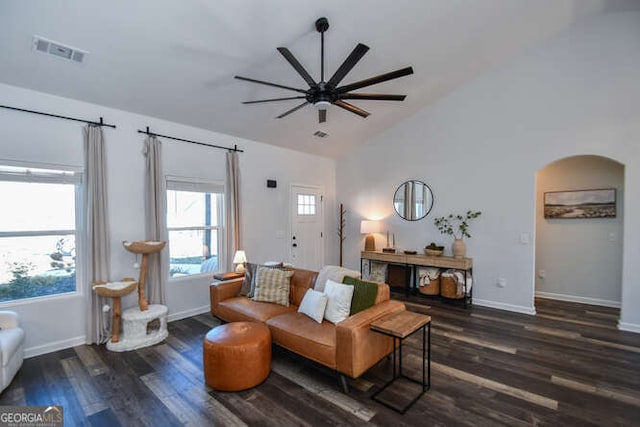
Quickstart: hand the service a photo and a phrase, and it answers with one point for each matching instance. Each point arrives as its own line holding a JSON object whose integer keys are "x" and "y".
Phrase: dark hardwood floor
{"x": 568, "y": 365}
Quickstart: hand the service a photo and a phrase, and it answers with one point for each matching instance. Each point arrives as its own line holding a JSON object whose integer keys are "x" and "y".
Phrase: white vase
{"x": 459, "y": 248}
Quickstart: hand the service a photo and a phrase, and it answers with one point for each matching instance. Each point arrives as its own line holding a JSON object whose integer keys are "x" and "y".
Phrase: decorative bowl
{"x": 433, "y": 252}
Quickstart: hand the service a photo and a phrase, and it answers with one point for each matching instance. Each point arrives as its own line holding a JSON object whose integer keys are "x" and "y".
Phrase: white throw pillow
{"x": 335, "y": 273}
{"x": 339, "y": 303}
{"x": 313, "y": 305}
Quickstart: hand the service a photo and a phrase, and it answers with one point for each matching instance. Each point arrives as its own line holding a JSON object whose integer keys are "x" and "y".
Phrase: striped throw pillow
{"x": 272, "y": 285}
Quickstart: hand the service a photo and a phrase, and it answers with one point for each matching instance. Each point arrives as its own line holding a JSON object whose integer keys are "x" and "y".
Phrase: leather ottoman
{"x": 237, "y": 356}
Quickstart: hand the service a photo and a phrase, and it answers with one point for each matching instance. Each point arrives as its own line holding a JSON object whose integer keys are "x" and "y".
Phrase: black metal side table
{"x": 400, "y": 326}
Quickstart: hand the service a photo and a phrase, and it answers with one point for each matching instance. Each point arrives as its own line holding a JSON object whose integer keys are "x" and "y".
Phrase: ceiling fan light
{"x": 322, "y": 105}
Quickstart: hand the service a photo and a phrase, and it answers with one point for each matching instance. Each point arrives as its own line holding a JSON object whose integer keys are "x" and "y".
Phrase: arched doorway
{"x": 579, "y": 259}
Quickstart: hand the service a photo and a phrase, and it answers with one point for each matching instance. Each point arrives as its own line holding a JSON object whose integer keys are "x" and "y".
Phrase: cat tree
{"x": 144, "y": 325}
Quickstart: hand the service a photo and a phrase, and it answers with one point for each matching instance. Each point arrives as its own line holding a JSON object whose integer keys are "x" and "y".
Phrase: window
{"x": 306, "y": 204}
{"x": 194, "y": 222}
{"x": 38, "y": 223}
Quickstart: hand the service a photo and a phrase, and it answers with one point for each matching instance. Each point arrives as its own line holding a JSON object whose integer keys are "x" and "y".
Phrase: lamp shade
{"x": 240, "y": 257}
{"x": 369, "y": 226}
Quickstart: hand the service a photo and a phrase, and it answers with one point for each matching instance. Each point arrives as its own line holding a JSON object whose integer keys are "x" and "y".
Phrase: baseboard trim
{"x": 503, "y": 306}
{"x": 629, "y": 327}
{"x": 581, "y": 300}
{"x": 172, "y": 317}
{"x": 80, "y": 340}
{"x": 54, "y": 346}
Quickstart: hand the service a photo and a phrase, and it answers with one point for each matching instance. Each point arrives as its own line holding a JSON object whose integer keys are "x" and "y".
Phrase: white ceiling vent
{"x": 40, "y": 44}
{"x": 320, "y": 134}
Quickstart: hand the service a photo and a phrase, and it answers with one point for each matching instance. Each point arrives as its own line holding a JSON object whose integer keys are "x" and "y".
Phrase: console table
{"x": 420, "y": 260}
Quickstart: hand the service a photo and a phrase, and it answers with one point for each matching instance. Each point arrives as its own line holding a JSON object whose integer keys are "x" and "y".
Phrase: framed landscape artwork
{"x": 600, "y": 203}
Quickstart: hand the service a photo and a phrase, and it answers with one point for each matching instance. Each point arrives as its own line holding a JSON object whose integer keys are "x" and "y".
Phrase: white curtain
{"x": 232, "y": 208}
{"x": 155, "y": 204}
{"x": 97, "y": 230}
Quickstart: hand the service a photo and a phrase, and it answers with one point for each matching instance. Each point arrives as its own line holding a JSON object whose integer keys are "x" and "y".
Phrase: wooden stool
{"x": 237, "y": 356}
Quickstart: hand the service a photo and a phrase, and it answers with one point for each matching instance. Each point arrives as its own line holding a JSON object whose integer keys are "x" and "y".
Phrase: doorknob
{"x": 295, "y": 245}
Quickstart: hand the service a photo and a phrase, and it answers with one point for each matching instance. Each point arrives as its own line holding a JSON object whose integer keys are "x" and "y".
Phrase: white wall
{"x": 60, "y": 322}
{"x": 480, "y": 148}
{"x": 581, "y": 257}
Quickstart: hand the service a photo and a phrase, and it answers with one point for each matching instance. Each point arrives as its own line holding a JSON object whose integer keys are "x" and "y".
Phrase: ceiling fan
{"x": 324, "y": 93}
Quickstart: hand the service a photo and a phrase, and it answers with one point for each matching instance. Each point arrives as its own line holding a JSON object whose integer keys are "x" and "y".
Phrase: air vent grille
{"x": 320, "y": 134}
{"x": 40, "y": 44}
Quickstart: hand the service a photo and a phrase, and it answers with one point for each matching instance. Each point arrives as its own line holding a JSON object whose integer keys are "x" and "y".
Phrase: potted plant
{"x": 458, "y": 227}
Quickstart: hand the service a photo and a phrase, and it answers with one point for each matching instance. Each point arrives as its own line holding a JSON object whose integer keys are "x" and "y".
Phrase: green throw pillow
{"x": 364, "y": 294}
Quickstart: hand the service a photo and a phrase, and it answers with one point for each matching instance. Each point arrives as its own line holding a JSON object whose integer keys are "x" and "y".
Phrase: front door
{"x": 307, "y": 248}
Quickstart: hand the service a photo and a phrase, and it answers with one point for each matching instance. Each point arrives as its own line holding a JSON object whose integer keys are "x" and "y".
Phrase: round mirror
{"x": 413, "y": 200}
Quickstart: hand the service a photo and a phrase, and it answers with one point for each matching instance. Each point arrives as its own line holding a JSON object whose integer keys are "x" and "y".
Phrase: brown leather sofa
{"x": 348, "y": 347}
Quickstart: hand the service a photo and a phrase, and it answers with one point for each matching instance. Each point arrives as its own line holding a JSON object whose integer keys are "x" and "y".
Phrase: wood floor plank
{"x": 628, "y": 398}
{"x": 496, "y": 386}
{"x": 474, "y": 341}
{"x": 31, "y": 377}
{"x": 208, "y": 320}
{"x": 91, "y": 361}
{"x": 185, "y": 409}
{"x": 13, "y": 396}
{"x": 190, "y": 385}
{"x": 331, "y": 394}
{"x": 602, "y": 343}
{"x": 552, "y": 331}
{"x": 129, "y": 398}
{"x": 104, "y": 418}
{"x": 89, "y": 397}
{"x": 576, "y": 321}
{"x": 181, "y": 409}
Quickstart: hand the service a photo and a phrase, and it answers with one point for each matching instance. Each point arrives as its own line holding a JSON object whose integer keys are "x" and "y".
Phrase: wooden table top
{"x": 401, "y": 324}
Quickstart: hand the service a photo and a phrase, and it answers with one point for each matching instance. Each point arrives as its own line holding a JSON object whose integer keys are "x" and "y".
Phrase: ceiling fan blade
{"x": 294, "y": 109}
{"x": 348, "y": 64}
{"x": 372, "y": 96}
{"x": 269, "y": 84}
{"x": 352, "y": 108}
{"x": 322, "y": 116}
{"x": 297, "y": 66}
{"x": 375, "y": 80}
{"x": 274, "y": 99}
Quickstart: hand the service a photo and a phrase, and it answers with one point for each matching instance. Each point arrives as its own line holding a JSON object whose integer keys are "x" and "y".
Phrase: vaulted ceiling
{"x": 176, "y": 60}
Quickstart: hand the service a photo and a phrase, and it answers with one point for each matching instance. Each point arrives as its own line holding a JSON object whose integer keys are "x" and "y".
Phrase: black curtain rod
{"x": 100, "y": 123}
{"x": 148, "y": 132}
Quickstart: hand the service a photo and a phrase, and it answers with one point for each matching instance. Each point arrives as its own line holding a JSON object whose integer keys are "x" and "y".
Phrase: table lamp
{"x": 239, "y": 259}
{"x": 369, "y": 227}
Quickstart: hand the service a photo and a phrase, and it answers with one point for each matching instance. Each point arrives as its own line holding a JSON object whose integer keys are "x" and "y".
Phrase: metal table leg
{"x": 425, "y": 382}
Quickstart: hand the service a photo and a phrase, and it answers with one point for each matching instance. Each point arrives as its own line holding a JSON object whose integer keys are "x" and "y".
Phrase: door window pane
{"x": 306, "y": 204}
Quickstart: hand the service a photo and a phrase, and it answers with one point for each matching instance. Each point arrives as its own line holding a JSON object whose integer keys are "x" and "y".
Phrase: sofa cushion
{"x": 313, "y": 305}
{"x": 335, "y": 273}
{"x": 339, "y": 303}
{"x": 364, "y": 294}
{"x": 300, "y": 334}
{"x": 300, "y": 282}
{"x": 249, "y": 282}
{"x": 243, "y": 309}
{"x": 272, "y": 285}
